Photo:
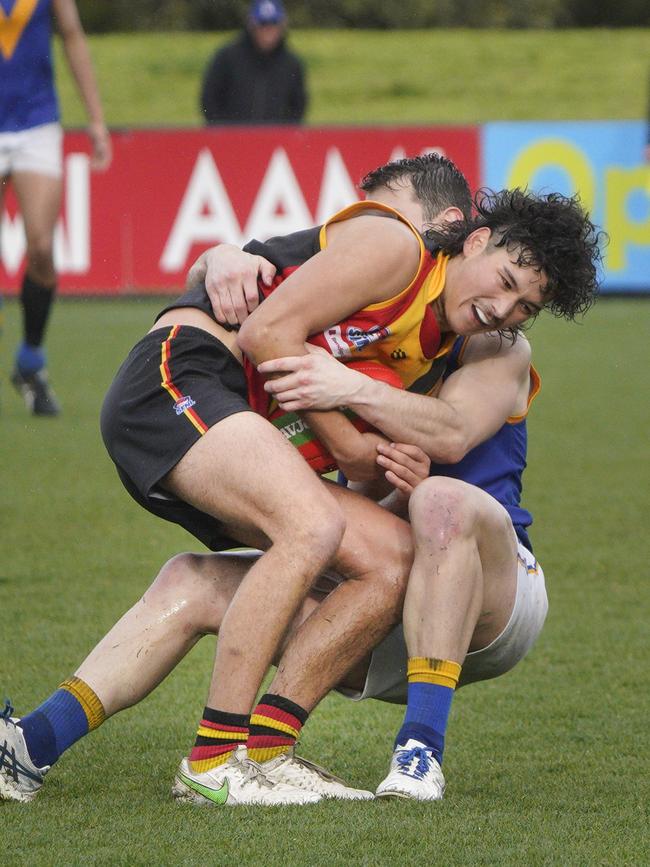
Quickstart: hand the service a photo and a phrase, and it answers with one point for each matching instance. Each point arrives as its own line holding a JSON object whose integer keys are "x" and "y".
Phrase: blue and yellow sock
{"x": 431, "y": 685}
{"x": 65, "y": 717}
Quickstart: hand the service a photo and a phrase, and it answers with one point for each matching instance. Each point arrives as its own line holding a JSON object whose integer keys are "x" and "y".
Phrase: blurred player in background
{"x": 31, "y": 158}
{"x": 256, "y": 78}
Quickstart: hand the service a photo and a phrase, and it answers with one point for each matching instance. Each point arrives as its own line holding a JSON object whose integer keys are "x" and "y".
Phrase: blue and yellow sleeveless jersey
{"x": 27, "y": 94}
{"x": 496, "y": 465}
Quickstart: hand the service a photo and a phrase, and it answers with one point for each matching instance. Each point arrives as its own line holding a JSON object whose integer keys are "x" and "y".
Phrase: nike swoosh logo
{"x": 217, "y": 796}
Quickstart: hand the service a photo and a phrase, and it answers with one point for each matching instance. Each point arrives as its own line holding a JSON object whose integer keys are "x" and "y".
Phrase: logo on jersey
{"x": 355, "y": 339}
{"x": 183, "y": 404}
{"x": 361, "y": 338}
{"x": 13, "y": 24}
{"x": 398, "y": 354}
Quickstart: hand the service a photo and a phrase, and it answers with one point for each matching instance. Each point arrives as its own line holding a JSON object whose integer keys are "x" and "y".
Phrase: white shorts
{"x": 38, "y": 150}
{"x": 386, "y": 678}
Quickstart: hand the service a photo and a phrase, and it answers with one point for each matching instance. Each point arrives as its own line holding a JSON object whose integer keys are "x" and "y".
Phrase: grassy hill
{"x": 425, "y": 76}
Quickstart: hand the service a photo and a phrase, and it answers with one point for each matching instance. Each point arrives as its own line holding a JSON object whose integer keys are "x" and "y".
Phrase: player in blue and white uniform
{"x": 31, "y": 158}
{"x": 476, "y": 599}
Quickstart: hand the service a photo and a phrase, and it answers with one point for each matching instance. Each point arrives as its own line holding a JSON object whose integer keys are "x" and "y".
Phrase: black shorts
{"x": 174, "y": 385}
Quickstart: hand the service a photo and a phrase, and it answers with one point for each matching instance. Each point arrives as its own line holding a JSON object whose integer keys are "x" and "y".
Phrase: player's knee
{"x": 442, "y": 509}
{"x": 382, "y": 558}
{"x": 40, "y": 258}
{"x": 320, "y": 531}
{"x": 390, "y": 557}
{"x": 182, "y": 587}
{"x": 180, "y": 571}
{"x": 389, "y": 586}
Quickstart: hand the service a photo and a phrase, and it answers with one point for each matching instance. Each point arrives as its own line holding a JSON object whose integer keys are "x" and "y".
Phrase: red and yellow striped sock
{"x": 218, "y": 736}
{"x": 275, "y": 725}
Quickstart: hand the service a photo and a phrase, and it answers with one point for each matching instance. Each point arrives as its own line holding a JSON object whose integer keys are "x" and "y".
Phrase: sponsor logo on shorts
{"x": 183, "y": 404}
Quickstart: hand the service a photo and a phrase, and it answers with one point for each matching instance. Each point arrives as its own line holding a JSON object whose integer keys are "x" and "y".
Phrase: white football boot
{"x": 414, "y": 773}
{"x": 20, "y": 779}
{"x": 296, "y": 771}
{"x": 239, "y": 781}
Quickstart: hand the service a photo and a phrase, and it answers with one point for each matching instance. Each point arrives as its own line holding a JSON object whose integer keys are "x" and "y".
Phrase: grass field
{"x": 548, "y": 765}
{"x": 368, "y": 77}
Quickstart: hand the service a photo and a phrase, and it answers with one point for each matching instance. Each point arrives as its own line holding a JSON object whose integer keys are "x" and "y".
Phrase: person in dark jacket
{"x": 256, "y": 78}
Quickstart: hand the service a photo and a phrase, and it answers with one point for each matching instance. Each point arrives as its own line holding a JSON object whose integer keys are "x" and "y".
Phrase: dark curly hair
{"x": 551, "y": 233}
{"x": 437, "y": 183}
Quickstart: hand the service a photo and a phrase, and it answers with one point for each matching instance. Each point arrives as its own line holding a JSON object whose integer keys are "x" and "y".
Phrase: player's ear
{"x": 476, "y": 242}
{"x": 450, "y": 215}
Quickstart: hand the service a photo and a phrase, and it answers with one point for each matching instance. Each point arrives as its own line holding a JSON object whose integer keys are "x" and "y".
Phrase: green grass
{"x": 410, "y": 77}
{"x": 547, "y": 765}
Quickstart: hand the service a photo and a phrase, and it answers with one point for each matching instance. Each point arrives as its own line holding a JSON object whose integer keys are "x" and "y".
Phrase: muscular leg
{"x": 191, "y": 595}
{"x": 461, "y": 592}
{"x": 244, "y": 472}
{"x": 463, "y": 583}
{"x": 187, "y": 600}
{"x": 375, "y": 557}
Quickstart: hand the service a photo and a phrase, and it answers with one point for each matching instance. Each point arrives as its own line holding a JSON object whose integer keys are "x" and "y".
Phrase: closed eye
{"x": 529, "y": 309}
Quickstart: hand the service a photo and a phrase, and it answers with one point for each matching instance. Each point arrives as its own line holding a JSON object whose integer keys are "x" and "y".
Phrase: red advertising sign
{"x": 171, "y": 193}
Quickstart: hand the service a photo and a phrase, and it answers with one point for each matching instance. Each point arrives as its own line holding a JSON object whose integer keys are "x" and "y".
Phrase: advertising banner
{"x": 171, "y": 193}
{"x": 601, "y": 161}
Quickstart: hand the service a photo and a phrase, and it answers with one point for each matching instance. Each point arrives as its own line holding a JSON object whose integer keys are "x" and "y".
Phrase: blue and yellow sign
{"x": 602, "y": 161}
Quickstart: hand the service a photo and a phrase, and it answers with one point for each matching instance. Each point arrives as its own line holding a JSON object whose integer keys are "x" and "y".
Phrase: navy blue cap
{"x": 267, "y": 12}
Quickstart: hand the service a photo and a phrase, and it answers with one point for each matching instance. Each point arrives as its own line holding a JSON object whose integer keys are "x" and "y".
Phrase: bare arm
{"x": 472, "y": 404}
{"x": 77, "y": 54}
{"x": 231, "y": 277}
{"x": 368, "y": 259}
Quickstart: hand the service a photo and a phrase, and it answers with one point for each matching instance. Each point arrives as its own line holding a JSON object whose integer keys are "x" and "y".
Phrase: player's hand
{"x": 313, "y": 381}
{"x": 404, "y": 466}
{"x": 360, "y": 465}
{"x": 231, "y": 277}
{"x": 102, "y": 149}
